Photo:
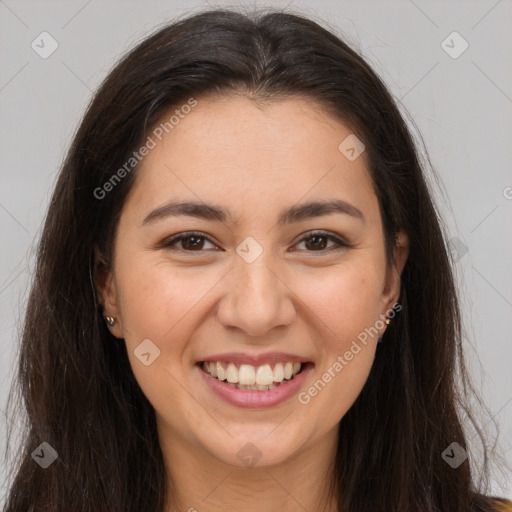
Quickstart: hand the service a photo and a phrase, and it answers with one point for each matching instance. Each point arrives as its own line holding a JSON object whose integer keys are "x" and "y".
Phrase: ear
{"x": 391, "y": 292}
{"x": 104, "y": 281}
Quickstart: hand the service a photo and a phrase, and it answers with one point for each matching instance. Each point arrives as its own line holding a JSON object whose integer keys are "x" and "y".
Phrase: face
{"x": 262, "y": 281}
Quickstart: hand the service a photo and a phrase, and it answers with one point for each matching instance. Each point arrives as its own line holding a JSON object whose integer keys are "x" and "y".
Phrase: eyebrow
{"x": 293, "y": 214}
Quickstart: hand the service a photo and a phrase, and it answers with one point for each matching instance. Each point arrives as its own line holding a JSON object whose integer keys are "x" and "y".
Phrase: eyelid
{"x": 337, "y": 239}
{"x": 169, "y": 241}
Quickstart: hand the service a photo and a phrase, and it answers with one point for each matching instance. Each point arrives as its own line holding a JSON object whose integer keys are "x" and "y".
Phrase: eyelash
{"x": 170, "y": 242}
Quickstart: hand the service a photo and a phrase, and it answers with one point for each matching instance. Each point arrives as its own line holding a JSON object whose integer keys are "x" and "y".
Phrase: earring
{"x": 110, "y": 320}
{"x": 388, "y": 320}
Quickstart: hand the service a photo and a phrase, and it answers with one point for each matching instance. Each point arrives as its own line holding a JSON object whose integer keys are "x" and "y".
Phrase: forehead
{"x": 232, "y": 151}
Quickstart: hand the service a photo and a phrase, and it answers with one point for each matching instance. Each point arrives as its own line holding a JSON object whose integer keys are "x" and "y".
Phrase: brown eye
{"x": 190, "y": 242}
{"x": 317, "y": 242}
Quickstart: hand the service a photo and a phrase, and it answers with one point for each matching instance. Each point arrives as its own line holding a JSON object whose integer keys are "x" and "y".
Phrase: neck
{"x": 197, "y": 481}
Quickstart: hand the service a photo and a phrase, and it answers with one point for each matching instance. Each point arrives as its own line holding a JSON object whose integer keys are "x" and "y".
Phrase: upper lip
{"x": 255, "y": 359}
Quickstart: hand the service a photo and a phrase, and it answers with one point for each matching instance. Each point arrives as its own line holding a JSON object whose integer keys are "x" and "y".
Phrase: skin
{"x": 294, "y": 298}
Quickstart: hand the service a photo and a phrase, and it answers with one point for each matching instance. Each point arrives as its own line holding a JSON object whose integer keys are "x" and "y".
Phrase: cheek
{"x": 160, "y": 304}
{"x": 156, "y": 299}
{"x": 343, "y": 306}
{"x": 337, "y": 385}
{"x": 345, "y": 298}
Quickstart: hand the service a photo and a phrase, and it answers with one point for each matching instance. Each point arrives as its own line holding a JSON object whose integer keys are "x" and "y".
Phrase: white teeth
{"x": 264, "y": 375}
{"x": 252, "y": 378}
{"x": 278, "y": 372}
{"x": 232, "y": 373}
{"x": 221, "y": 374}
{"x": 246, "y": 375}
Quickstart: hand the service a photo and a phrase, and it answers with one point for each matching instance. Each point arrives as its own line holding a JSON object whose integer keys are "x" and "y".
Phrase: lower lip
{"x": 256, "y": 399}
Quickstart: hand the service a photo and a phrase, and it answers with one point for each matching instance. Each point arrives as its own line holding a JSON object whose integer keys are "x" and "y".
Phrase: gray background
{"x": 461, "y": 106}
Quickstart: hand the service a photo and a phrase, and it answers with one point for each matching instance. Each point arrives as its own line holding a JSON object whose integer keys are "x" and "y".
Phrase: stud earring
{"x": 110, "y": 320}
{"x": 388, "y": 320}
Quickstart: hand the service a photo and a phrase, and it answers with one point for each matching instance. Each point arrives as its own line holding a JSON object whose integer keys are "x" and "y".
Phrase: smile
{"x": 283, "y": 381}
{"x": 252, "y": 378}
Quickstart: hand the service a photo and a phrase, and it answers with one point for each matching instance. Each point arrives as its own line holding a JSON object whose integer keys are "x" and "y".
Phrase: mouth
{"x": 254, "y": 387}
{"x": 252, "y": 378}
{"x": 247, "y": 377}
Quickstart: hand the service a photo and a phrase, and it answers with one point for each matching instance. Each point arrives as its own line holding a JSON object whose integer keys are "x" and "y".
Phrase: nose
{"x": 256, "y": 299}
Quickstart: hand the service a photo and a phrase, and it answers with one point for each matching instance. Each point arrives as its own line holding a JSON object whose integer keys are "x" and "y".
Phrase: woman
{"x": 243, "y": 299}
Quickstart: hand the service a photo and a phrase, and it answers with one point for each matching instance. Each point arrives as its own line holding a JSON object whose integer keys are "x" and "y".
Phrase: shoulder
{"x": 502, "y": 505}
{"x": 485, "y": 503}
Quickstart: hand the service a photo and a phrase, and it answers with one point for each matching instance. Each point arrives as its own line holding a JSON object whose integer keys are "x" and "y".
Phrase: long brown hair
{"x": 75, "y": 380}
